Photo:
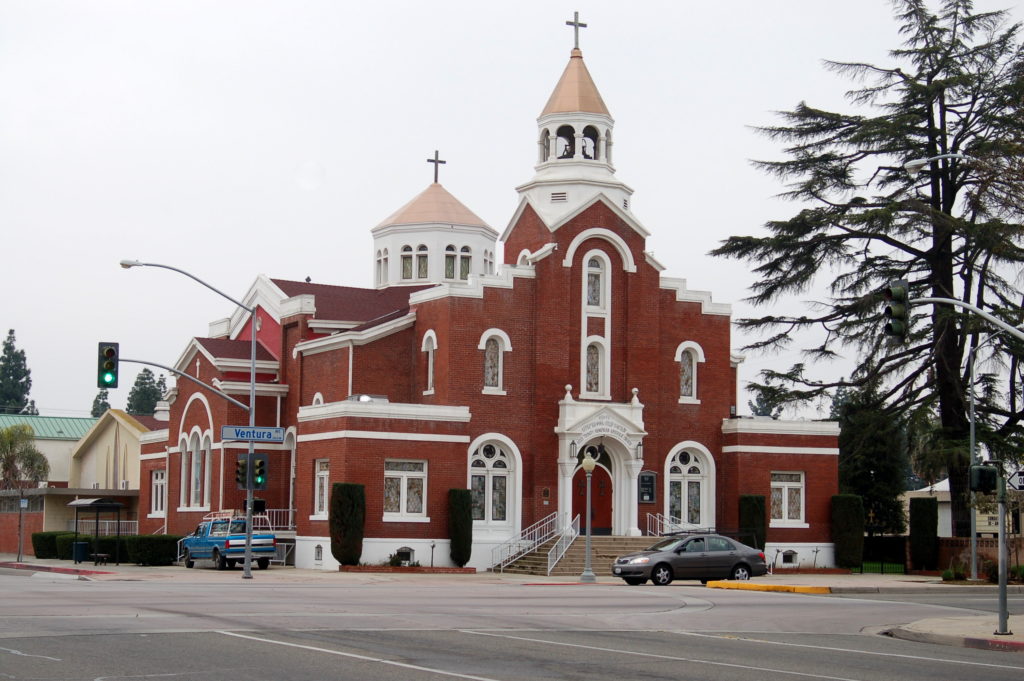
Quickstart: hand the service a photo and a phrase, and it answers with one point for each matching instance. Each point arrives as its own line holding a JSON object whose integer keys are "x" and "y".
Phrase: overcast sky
{"x": 234, "y": 138}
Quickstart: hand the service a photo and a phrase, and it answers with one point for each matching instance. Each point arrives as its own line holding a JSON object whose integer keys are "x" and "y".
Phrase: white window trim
{"x": 708, "y": 492}
{"x": 504, "y": 345}
{"x": 402, "y": 516}
{"x": 162, "y": 511}
{"x": 697, "y": 352}
{"x": 802, "y": 521}
{"x": 604, "y": 391}
{"x": 317, "y": 474}
{"x": 429, "y": 337}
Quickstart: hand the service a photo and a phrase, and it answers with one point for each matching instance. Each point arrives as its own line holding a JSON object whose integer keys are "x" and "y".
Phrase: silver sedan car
{"x": 691, "y": 556}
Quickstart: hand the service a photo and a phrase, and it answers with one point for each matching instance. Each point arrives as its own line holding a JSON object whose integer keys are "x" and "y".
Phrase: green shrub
{"x": 44, "y": 544}
{"x": 848, "y": 529}
{"x": 460, "y": 525}
{"x": 990, "y": 570}
{"x": 347, "y": 522}
{"x": 753, "y": 519}
{"x": 64, "y": 542}
{"x": 151, "y": 549}
{"x": 924, "y": 533}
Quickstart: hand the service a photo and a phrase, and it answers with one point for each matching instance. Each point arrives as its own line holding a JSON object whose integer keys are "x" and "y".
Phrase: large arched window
{"x": 596, "y": 294}
{"x": 687, "y": 485}
{"x": 490, "y": 470}
{"x": 566, "y": 144}
{"x": 494, "y": 343}
{"x": 429, "y": 347}
{"x": 688, "y": 354}
{"x": 595, "y": 369}
{"x": 590, "y": 149}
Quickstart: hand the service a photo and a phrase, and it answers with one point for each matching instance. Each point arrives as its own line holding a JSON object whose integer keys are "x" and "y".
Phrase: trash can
{"x": 79, "y": 551}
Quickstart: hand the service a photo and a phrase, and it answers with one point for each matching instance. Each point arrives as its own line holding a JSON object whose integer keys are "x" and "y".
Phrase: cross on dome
{"x": 437, "y": 164}
{"x": 576, "y": 26}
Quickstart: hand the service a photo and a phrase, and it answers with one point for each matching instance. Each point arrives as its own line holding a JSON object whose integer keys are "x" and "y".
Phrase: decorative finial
{"x": 576, "y": 26}
{"x": 437, "y": 164}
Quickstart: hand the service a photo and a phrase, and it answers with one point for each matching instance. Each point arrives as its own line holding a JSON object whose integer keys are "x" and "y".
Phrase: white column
{"x": 633, "y": 468}
{"x": 566, "y": 468}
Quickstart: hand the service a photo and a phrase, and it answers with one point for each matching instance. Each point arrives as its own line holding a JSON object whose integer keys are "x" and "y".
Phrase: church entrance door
{"x": 600, "y": 500}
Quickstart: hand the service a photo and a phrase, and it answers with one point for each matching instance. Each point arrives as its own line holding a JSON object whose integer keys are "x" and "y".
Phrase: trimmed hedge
{"x": 924, "y": 533}
{"x": 347, "y": 522}
{"x": 460, "y": 525}
{"x": 44, "y": 544}
{"x": 151, "y": 549}
{"x": 848, "y": 529}
{"x": 753, "y": 518}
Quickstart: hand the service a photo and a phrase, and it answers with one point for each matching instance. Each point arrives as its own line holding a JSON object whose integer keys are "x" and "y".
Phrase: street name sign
{"x": 1016, "y": 481}
{"x": 253, "y": 434}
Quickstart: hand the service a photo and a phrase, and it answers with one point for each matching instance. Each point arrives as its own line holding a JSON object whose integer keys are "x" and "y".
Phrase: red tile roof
{"x": 351, "y": 304}
{"x": 223, "y": 348}
{"x": 149, "y": 422}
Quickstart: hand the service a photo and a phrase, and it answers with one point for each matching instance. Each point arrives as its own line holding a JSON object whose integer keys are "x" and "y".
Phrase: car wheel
{"x": 264, "y": 563}
{"x": 741, "y": 572}
{"x": 219, "y": 560}
{"x": 189, "y": 563}
{"x": 661, "y": 575}
{"x": 634, "y": 581}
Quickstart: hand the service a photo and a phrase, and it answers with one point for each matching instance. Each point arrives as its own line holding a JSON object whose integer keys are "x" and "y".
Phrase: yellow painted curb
{"x": 754, "y": 586}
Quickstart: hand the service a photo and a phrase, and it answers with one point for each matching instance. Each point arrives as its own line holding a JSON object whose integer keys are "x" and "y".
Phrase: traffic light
{"x": 107, "y": 365}
{"x": 242, "y": 471}
{"x": 259, "y": 471}
{"x": 983, "y": 479}
{"x": 897, "y": 311}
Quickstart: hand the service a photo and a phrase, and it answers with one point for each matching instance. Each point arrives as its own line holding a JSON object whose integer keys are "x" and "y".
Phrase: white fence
{"x": 105, "y": 528}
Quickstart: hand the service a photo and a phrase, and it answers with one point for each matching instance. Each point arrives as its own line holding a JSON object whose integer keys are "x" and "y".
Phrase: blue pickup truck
{"x": 222, "y": 540}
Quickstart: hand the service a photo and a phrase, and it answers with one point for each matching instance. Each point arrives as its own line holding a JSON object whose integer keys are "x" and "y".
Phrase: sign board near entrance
{"x": 255, "y": 434}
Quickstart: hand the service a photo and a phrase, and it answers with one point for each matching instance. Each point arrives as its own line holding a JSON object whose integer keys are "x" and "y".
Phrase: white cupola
{"x": 574, "y": 148}
{"x": 433, "y": 239}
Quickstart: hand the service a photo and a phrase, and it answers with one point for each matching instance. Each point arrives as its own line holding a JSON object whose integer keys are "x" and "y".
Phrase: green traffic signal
{"x": 107, "y": 365}
{"x": 897, "y": 311}
{"x": 259, "y": 471}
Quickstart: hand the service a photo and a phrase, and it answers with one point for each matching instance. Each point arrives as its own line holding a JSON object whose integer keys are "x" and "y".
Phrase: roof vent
{"x": 559, "y": 197}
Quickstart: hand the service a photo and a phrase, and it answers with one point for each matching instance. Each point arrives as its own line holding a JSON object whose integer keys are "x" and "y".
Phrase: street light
{"x": 918, "y": 164}
{"x": 588, "y": 465}
{"x": 128, "y": 264}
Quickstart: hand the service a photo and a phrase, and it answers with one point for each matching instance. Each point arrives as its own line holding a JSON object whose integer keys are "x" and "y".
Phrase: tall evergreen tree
{"x": 146, "y": 392}
{"x": 101, "y": 403}
{"x": 15, "y": 380}
{"x": 955, "y": 88}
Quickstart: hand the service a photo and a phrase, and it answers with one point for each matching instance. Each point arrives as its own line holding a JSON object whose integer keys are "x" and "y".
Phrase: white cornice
{"x": 304, "y": 303}
{"x": 757, "y": 426}
{"x": 685, "y": 295}
{"x": 242, "y": 388}
{"x": 154, "y": 436}
{"x": 475, "y": 285}
{"x": 350, "y": 338}
{"x": 650, "y": 260}
{"x": 384, "y": 410}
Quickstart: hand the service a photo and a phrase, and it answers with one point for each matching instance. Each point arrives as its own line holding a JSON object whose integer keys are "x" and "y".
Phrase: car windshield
{"x": 237, "y": 527}
{"x": 666, "y": 544}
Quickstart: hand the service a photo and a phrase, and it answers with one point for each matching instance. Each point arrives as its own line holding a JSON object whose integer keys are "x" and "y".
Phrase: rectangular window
{"x": 157, "y": 492}
{"x": 478, "y": 494}
{"x": 421, "y": 266}
{"x": 321, "y": 487}
{"x": 787, "y": 499}
{"x": 406, "y": 267}
{"x": 449, "y": 267}
{"x": 405, "y": 490}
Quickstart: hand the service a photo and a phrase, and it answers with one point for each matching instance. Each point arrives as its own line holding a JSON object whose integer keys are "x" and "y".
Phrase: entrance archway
{"x": 600, "y": 499}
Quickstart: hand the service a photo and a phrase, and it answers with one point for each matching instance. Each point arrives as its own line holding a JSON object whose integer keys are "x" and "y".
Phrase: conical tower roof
{"x": 432, "y": 206}
{"x": 575, "y": 90}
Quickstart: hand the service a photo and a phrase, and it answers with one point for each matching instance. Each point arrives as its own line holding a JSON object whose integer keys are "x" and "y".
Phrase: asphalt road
{"x": 61, "y": 628}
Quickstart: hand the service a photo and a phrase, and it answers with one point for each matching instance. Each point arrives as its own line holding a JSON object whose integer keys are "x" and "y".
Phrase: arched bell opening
{"x": 545, "y": 145}
{"x": 590, "y": 148}
{"x": 566, "y": 144}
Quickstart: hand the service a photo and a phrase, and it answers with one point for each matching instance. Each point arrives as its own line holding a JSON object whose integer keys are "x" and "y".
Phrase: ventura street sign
{"x": 1016, "y": 481}
{"x": 255, "y": 434}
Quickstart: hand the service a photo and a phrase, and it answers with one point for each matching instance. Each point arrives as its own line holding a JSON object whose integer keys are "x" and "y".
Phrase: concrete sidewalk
{"x": 968, "y": 631}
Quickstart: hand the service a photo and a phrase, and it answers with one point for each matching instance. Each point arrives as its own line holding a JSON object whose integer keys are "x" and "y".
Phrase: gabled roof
{"x": 348, "y": 303}
{"x": 575, "y": 91}
{"x": 434, "y": 205}
{"x": 51, "y": 427}
{"x": 224, "y": 348}
{"x": 116, "y": 416}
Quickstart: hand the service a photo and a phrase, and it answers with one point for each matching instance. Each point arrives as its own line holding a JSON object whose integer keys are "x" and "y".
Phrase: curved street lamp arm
{"x": 227, "y": 397}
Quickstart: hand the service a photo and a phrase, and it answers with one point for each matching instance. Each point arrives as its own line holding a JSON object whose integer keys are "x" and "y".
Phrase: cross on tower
{"x": 576, "y": 26}
{"x": 437, "y": 164}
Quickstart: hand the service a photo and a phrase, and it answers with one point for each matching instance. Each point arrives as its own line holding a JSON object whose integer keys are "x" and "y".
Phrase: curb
{"x": 786, "y": 588}
{"x": 958, "y": 641}
{"x": 52, "y": 568}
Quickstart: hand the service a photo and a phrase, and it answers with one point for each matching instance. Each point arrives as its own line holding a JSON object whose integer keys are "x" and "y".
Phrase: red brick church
{"x": 465, "y": 368}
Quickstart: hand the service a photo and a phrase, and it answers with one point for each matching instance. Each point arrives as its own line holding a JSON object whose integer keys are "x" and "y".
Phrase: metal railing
{"x": 105, "y": 528}
{"x": 564, "y": 542}
{"x": 281, "y": 518}
{"x": 658, "y": 525}
{"x": 528, "y": 540}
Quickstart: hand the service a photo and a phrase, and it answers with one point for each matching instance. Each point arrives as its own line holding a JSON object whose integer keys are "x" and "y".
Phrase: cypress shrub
{"x": 924, "y": 533}
{"x": 347, "y": 520}
{"x": 848, "y": 529}
{"x": 44, "y": 544}
{"x": 460, "y": 525}
{"x": 151, "y": 549}
{"x": 753, "y": 520}
{"x": 66, "y": 539}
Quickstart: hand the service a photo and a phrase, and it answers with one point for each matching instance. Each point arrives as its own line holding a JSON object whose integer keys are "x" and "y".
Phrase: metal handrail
{"x": 563, "y": 543}
{"x": 658, "y": 525}
{"x": 528, "y": 540}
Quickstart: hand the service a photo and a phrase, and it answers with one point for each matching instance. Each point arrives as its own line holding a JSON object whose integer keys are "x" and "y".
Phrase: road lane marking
{"x": 12, "y": 651}
{"x": 365, "y": 658}
{"x": 734, "y": 637}
{"x": 674, "y": 658}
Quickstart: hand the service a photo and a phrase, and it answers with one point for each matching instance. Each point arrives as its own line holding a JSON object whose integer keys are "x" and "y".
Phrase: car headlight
{"x": 639, "y": 561}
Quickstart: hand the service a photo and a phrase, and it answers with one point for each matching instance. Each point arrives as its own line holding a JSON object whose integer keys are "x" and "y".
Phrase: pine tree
{"x": 101, "y": 403}
{"x": 955, "y": 89}
{"x": 146, "y": 392}
{"x": 15, "y": 380}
